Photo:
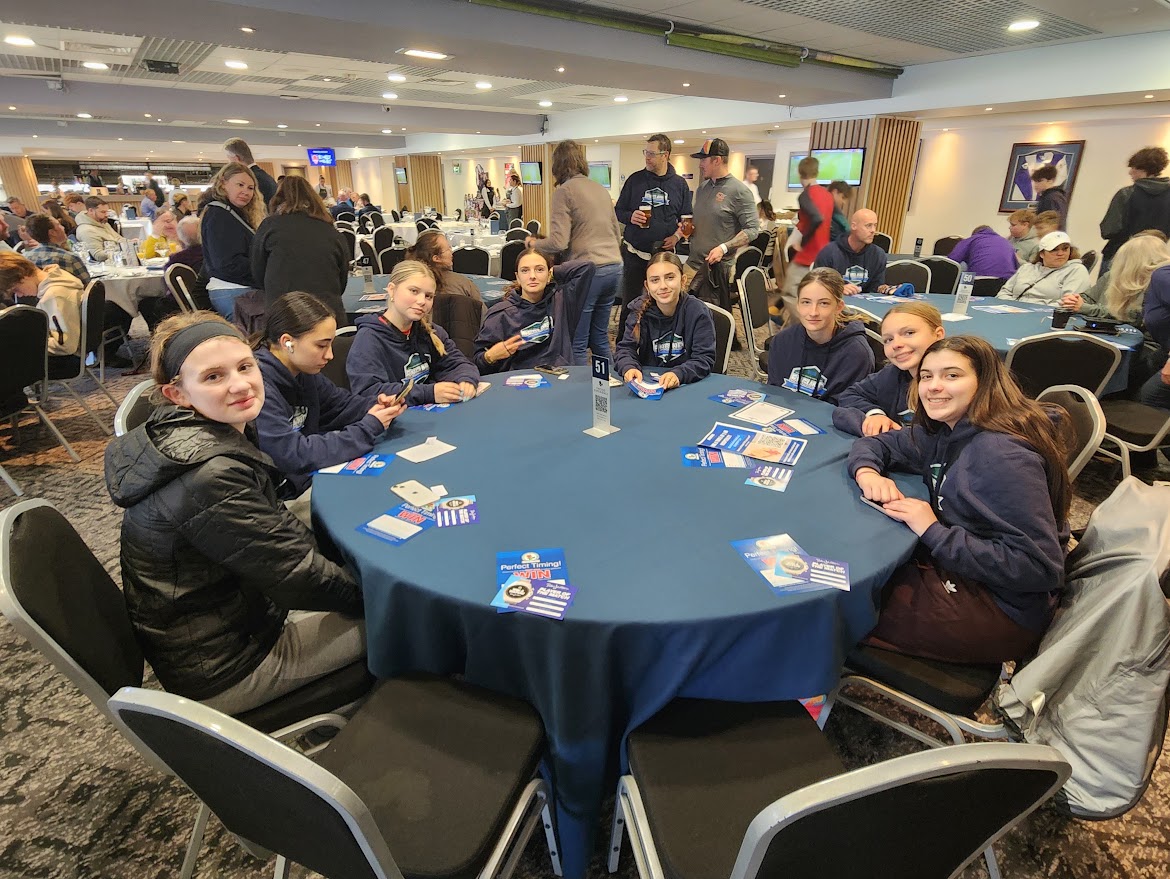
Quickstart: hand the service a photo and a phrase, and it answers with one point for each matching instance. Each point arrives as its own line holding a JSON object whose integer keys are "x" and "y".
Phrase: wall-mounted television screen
{"x": 844, "y": 164}
{"x": 323, "y": 156}
{"x": 530, "y": 173}
{"x": 400, "y": 176}
{"x": 600, "y": 171}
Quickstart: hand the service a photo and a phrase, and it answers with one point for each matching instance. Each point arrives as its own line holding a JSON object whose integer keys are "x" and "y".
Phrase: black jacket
{"x": 227, "y": 243}
{"x": 1054, "y": 199}
{"x": 211, "y": 560}
{"x": 264, "y": 183}
{"x": 297, "y": 252}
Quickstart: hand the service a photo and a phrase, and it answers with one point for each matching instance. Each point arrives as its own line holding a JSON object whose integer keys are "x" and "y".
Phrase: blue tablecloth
{"x": 1004, "y": 330}
{"x": 491, "y": 288}
{"x": 665, "y": 606}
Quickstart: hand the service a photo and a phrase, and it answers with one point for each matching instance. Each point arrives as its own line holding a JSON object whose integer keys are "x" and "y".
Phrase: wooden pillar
{"x": 536, "y": 198}
{"x": 425, "y": 178}
{"x": 403, "y": 189}
{"x": 344, "y": 175}
{"x": 19, "y": 179}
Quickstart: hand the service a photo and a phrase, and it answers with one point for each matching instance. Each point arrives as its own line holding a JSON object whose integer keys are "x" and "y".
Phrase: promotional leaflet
{"x": 451, "y": 512}
{"x": 770, "y": 477}
{"x": 696, "y": 456}
{"x": 787, "y": 568}
{"x": 398, "y": 525}
{"x": 762, "y": 413}
{"x": 526, "y": 381}
{"x": 766, "y": 447}
{"x": 366, "y": 465}
{"x": 794, "y": 427}
{"x": 737, "y": 397}
{"x": 646, "y": 390}
{"x": 534, "y": 581}
{"x": 431, "y": 407}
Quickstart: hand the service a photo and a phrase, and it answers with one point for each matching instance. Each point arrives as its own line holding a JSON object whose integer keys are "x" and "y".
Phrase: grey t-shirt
{"x": 723, "y": 207}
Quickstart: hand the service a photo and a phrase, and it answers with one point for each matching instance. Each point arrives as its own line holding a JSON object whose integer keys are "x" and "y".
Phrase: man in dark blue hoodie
{"x": 858, "y": 260}
{"x": 669, "y": 198}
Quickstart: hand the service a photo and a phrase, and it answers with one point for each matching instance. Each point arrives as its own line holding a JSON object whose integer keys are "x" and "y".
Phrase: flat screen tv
{"x": 400, "y": 176}
{"x": 530, "y": 173}
{"x": 324, "y": 157}
{"x": 600, "y": 171}
{"x": 794, "y": 160}
{"x": 844, "y": 164}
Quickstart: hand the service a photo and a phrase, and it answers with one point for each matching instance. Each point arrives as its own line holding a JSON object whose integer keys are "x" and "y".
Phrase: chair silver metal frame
{"x": 533, "y": 227}
{"x": 175, "y": 277}
{"x": 516, "y": 233}
{"x": 930, "y": 262}
{"x": 884, "y": 241}
{"x": 1051, "y": 338}
{"x": 789, "y": 810}
{"x": 1085, "y": 398}
{"x": 383, "y": 267}
{"x": 753, "y": 307}
{"x": 894, "y": 281}
{"x": 722, "y": 357}
{"x": 97, "y": 349}
{"x": 747, "y": 258}
{"x": 135, "y": 408}
{"x": 1124, "y": 447}
{"x": 531, "y": 807}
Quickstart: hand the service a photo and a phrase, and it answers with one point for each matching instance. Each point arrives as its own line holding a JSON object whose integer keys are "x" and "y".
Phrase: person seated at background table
{"x": 402, "y": 344}
{"x": 297, "y": 248}
{"x": 232, "y": 209}
{"x": 182, "y": 205}
{"x": 74, "y": 204}
{"x": 212, "y": 561}
{"x": 1056, "y": 272}
{"x": 986, "y": 254}
{"x": 841, "y": 192}
{"x": 434, "y": 251}
{"x": 667, "y": 329}
{"x": 344, "y": 203}
{"x": 191, "y": 252}
{"x": 307, "y": 422}
{"x": 93, "y": 232}
{"x": 163, "y": 239}
{"x": 881, "y": 402}
{"x": 531, "y": 326}
{"x": 1120, "y": 292}
{"x": 365, "y": 206}
{"x": 855, "y": 257}
{"x": 1022, "y": 236}
{"x": 1156, "y": 321}
{"x": 51, "y": 247}
{"x": 1048, "y": 221}
{"x": 989, "y": 568}
{"x": 826, "y": 351}
{"x": 147, "y": 209}
{"x": 53, "y": 208}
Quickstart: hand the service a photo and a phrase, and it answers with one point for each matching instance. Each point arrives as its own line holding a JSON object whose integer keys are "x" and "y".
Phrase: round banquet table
{"x": 665, "y": 606}
{"x": 129, "y": 286}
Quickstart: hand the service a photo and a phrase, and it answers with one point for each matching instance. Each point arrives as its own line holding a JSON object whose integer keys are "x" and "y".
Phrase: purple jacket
{"x": 987, "y": 254}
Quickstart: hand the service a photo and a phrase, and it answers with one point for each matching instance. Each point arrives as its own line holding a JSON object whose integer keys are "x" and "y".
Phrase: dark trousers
{"x": 114, "y": 317}
{"x": 633, "y": 285}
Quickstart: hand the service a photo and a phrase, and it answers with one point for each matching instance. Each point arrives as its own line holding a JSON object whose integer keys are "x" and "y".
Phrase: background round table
{"x": 665, "y": 607}
{"x": 129, "y": 286}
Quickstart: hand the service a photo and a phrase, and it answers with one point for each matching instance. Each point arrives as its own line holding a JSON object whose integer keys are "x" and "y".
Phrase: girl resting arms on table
{"x": 880, "y": 402}
{"x": 401, "y": 345}
{"x": 989, "y": 566}
{"x": 520, "y": 331}
{"x": 826, "y": 351}
{"x": 212, "y": 561}
{"x": 667, "y": 329}
{"x": 307, "y": 421}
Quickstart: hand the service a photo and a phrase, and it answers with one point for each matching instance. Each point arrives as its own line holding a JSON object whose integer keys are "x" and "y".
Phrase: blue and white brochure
{"x": 534, "y": 581}
{"x": 770, "y": 477}
{"x": 737, "y": 397}
{"x": 366, "y": 465}
{"x": 789, "y": 569}
{"x": 453, "y": 511}
{"x": 697, "y": 456}
{"x": 767, "y": 448}
{"x": 398, "y": 525}
{"x": 527, "y": 381}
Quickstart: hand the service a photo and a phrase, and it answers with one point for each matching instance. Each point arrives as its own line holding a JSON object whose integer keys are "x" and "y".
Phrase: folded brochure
{"x": 534, "y": 581}
{"x": 398, "y": 525}
{"x": 767, "y": 447}
{"x": 787, "y": 568}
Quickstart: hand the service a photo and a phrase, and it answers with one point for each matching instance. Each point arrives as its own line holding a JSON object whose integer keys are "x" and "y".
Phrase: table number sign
{"x": 962, "y": 298}
{"x": 601, "y": 425}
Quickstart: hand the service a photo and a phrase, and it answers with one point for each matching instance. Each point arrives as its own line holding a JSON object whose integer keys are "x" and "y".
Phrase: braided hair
{"x": 408, "y": 268}
{"x": 648, "y": 300}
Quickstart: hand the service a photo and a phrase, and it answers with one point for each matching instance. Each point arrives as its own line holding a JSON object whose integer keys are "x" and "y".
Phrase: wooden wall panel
{"x": 403, "y": 189}
{"x": 16, "y": 173}
{"x": 891, "y": 143}
{"x": 425, "y": 178}
{"x": 343, "y": 175}
{"x": 536, "y": 198}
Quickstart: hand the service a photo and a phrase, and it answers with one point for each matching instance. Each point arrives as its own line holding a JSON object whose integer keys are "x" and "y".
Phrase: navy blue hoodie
{"x": 996, "y": 525}
{"x": 888, "y": 389}
{"x": 683, "y": 343}
{"x": 308, "y": 422}
{"x": 383, "y": 357}
{"x": 798, "y": 363}
{"x": 865, "y": 268}
{"x": 669, "y": 196}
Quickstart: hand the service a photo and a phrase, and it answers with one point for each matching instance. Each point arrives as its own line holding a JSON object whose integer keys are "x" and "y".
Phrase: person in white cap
{"x": 1056, "y": 271}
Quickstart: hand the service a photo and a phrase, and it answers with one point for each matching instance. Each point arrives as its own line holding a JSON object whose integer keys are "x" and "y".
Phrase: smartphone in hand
{"x": 406, "y": 389}
{"x": 870, "y": 503}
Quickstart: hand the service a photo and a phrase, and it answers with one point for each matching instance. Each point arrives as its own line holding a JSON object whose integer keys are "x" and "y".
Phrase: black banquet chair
{"x": 747, "y": 790}
{"x": 753, "y": 306}
{"x": 388, "y": 258}
{"x": 944, "y": 274}
{"x": 334, "y": 370}
{"x": 430, "y": 778}
{"x": 884, "y": 241}
{"x": 471, "y": 261}
{"x": 181, "y": 280}
{"x": 944, "y": 246}
{"x": 724, "y": 334}
{"x": 135, "y": 408}
{"x": 533, "y": 227}
{"x": 1065, "y": 358}
{"x": 987, "y": 286}
{"x": 1086, "y": 419}
{"x": 383, "y": 238}
{"x": 369, "y": 255}
{"x": 516, "y": 233}
{"x": 509, "y": 256}
{"x": 909, "y": 271}
{"x": 62, "y": 370}
{"x": 351, "y": 242}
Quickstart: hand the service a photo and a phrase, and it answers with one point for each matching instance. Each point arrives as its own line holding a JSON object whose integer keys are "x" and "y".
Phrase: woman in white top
{"x": 514, "y": 198}
{"x": 1056, "y": 272}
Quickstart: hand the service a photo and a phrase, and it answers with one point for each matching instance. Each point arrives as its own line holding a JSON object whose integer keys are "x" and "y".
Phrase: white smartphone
{"x": 870, "y": 503}
{"x": 414, "y": 492}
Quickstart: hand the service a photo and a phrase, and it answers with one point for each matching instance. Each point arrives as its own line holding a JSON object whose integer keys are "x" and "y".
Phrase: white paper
{"x": 394, "y": 527}
{"x": 336, "y": 468}
{"x": 762, "y": 413}
{"x": 952, "y": 316}
{"x": 440, "y": 490}
{"x": 432, "y": 448}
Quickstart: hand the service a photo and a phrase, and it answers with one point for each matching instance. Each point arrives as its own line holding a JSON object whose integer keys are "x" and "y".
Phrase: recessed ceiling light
{"x": 327, "y": 79}
{"x": 235, "y": 65}
{"x": 84, "y": 115}
{"x": 390, "y": 96}
{"x": 479, "y": 132}
{"x": 988, "y": 109}
{"x": 946, "y": 129}
{"x": 238, "y": 121}
{"x": 483, "y": 85}
{"x": 620, "y": 99}
{"x": 36, "y": 135}
{"x": 704, "y": 131}
{"x": 686, "y": 85}
{"x": 546, "y": 103}
{"x": 178, "y": 141}
{"x": 404, "y": 129}
{"x": 19, "y": 41}
{"x": 95, "y": 65}
{"x": 425, "y": 53}
{"x": 281, "y": 125}
{"x": 121, "y": 138}
{"x": 152, "y": 151}
{"x": 396, "y": 77}
{"x": 781, "y": 96}
{"x": 147, "y": 115}
{"x": 318, "y": 124}
{"x": 11, "y": 108}
{"x": 1148, "y": 97}
{"x": 387, "y": 130}
{"x": 680, "y": 140}
{"x": 248, "y": 30}
{"x": 560, "y": 70}
{"x": 1024, "y": 24}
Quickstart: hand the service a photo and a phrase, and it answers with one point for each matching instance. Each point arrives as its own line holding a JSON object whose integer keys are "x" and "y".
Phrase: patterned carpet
{"x": 77, "y": 801}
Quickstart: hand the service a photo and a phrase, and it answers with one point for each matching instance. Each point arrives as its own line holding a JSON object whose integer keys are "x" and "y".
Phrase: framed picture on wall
{"x": 1026, "y": 158}
{"x": 508, "y": 166}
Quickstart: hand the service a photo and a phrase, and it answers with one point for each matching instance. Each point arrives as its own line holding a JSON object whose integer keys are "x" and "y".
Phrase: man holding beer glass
{"x": 725, "y": 220}
{"x": 651, "y": 206}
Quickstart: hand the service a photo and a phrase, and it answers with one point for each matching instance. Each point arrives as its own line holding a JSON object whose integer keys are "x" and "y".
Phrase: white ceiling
{"x": 324, "y": 78}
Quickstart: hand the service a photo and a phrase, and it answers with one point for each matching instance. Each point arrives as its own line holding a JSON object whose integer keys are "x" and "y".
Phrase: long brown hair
{"x": 832, "y": 281}
{"x": 408, "y": 268}
{"x": 648, "y": 300}
{"x": 425, "y": 248}
{"x": 568, "y": 159}
{"x": 294, "y": 195}
{"x": 253, "y": 211}
{"x": 514, "y": 287}
{"x": 60, "y": 215}
{"x": 999, "y": 405}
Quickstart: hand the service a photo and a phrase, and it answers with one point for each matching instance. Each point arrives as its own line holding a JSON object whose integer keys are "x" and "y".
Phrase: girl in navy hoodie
{"x": 401, "y": 344}
{"x": 990, "y": 561}
{"x": 667, "y": 329}
{"x": 520, "y": 331}
{"x": 827, "y": 351}
{"x": 307, "y": 421}
{"x": 880, "y": 402}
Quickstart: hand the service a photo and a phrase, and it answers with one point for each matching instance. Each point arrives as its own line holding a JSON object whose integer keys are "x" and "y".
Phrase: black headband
{"x": 189, "y": 338}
